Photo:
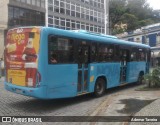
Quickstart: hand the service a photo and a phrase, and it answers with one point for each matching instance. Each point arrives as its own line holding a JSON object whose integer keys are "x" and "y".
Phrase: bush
{"x": 153, "y": 78}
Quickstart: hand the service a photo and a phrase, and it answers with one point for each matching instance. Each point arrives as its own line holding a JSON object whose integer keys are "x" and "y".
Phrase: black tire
{"x": 140, "y": 79}
{"x": 99, "y": 88}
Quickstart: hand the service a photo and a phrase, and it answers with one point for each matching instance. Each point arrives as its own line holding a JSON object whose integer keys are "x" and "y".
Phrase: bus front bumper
{"x": 39, "y": 92}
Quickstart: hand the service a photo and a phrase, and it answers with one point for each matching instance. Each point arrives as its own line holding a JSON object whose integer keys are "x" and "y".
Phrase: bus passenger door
{"x": 83, "y": 60}
{"x": 124, "y": 53}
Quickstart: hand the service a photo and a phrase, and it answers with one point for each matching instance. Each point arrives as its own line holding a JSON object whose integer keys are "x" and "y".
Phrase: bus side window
{"x": 116, "y": 53}
{"x": 141, "y": 55}
{"x": 102, "y": 51}
{"x": 133, "y": 55}
{"x": 94, "y": 53}
{"x": 124, "y": 55}
{"x": 61, "y": 50}
{"x": 110, "y": 53}
{"x": 51, "y": 45}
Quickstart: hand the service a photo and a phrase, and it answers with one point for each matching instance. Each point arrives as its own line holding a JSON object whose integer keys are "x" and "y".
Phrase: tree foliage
{"x": 134, "y": 13}
{"x": 153, "y": 79}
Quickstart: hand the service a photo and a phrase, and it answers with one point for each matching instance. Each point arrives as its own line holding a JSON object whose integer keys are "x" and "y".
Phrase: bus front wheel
{"x": 99, "y": 88}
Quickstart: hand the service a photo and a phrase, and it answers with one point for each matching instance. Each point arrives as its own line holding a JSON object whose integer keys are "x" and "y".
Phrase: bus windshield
{"x": 21, "y": 49}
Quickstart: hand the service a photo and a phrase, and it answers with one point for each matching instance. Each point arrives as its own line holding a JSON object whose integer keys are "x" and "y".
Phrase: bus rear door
{"x": 83, "y": 60}
{"x": 124, "y": 53}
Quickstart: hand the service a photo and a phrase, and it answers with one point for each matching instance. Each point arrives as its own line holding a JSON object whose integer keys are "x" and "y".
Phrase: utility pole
{"x": 46, "y": 13}
{"x": 145, "y": 35}
{"x": 106, "y": 15}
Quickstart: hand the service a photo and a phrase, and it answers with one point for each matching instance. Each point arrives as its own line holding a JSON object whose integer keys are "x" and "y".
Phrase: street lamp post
{"x": 46, "y": 13}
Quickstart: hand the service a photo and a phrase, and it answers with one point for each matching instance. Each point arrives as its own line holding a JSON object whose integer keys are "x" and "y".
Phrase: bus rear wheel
{"x": 99, "y": 88}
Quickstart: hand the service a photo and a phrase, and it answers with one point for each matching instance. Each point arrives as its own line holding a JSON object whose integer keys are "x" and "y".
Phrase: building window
{"x": 56, "y": 21}
{"x": 95, "y": 29}
{"x": 68, "y": 23}
{"x": 62, "y": 7}
{"x": 28, "y": 1}
{"x": 95, "y": 16}
{"x": 91, "y": 28}
{"x": 78, "y": 25}
{"x": 83, "y": 12}
{"x": 56, "y": 3}
{"x": 50, "y": 8}
{"x": 68, "y": 9}
{"x": 99, "y": 29}
{"x": 56, "y": 9}
{"x": 87, "y": 27}
{"x": 38, "y": 3}
{"x": 50, "y": 20}
{"x": 23, "y": 1}
{"x": 33, "y": 2}
{"x": 62, "y": 22}
{"x": 73, "y": 24}
{"x": 50, "y": 2}
{"x": 43, "y": 3}
{"x": 83, "y": 26}
{"x": 158, "y": 39}
{"x": 24, "y": 17}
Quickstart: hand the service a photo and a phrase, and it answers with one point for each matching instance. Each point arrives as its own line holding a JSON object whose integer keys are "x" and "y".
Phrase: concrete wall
{"x": 3, "y": 13}
{"x": 3, "y": 23}
{"x": 1, "y": 43}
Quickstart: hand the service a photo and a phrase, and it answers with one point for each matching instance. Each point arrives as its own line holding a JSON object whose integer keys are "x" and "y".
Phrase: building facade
{"x": 78, "y": 14}
{"x": 15, "y": 13}
{"x": 149, "y": 35}
{"x": 87, "y": 15}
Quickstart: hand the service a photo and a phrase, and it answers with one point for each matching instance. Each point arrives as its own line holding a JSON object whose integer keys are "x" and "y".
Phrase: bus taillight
{"x": 31, "y": 81}
{"x": 31, "y": 71}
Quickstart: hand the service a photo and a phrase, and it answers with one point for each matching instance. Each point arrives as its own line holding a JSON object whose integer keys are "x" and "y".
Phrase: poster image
{"x": 21, "y": 51}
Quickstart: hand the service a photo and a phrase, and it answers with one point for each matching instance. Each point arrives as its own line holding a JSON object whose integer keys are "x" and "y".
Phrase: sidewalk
{"x": 2, "y": 79}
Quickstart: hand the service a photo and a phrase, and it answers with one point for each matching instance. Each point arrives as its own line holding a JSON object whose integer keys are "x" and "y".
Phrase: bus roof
{"x": 96, "y": 34}
{"x": 84, "y": 35}
{"x": 91, "y": 36}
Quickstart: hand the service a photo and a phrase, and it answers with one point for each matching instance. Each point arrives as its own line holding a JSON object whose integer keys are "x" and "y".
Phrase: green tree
{"x": 134, "y": 13}
{"x": 131, "y": 21}
{"x": 116, "y": 9}
{"x": 140, "y": 8}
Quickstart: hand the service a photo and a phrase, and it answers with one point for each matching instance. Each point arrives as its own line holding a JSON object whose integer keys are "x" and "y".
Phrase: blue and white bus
{"x": 49, "y": 63}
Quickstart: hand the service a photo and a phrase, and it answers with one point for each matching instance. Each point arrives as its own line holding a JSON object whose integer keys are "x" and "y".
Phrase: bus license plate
{"x": 18, "y": 91}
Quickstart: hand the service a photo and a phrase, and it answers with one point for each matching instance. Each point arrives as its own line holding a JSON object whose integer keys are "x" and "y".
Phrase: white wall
{"x": 3, "y": 23}
{"x": 138, "y": 39}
